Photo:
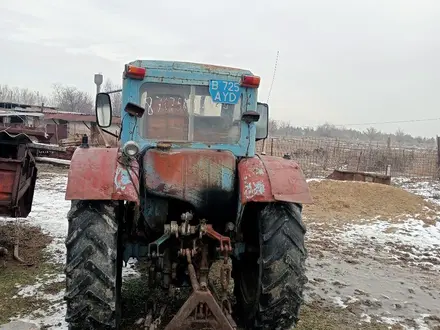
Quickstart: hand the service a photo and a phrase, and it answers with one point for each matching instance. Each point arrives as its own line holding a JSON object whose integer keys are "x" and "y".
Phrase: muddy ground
{"x": 374, "y": 259}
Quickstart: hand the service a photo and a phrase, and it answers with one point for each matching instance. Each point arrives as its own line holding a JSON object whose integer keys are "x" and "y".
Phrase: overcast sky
{"x": 341, "y": 61}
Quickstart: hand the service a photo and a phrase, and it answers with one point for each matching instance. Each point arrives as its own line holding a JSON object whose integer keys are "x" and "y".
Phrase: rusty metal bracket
{"x": 201, "y": 308}
{"x": 156, "y": 245}
{"x": 225, "y": 242}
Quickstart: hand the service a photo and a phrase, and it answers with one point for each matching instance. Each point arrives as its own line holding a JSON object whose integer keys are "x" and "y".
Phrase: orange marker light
{"x": 135, "y": 72}
{"x": 250, "y": 81}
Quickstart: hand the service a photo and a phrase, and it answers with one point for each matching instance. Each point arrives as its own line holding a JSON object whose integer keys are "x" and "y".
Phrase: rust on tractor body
{"x": 269, "y": 178}
{"x": 100, "y": 174}
{"x": 185, "y": 173}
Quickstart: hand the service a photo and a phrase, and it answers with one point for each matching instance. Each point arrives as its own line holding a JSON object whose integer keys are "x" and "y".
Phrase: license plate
{"x": 224, "y": 91}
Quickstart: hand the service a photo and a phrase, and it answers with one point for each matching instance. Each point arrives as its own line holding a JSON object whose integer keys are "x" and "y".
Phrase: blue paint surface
{"x": 123, "y": 180}
{"x": 224, "y": 91}
{"x": 227, "y": 178}
{"x": 155, "y": 212}
{"x": 193, "y": 74}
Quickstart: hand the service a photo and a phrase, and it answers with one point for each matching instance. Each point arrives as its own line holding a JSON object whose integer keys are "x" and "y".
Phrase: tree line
{"x": 63, "y": 97}
{"x": 71, "y": 99}
{"x": 371, "y": 134}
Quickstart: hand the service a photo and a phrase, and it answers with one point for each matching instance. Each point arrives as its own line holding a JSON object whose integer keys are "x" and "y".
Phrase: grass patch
{"x": 316, "y": 316}
{"x": 54, "y": 288}
{"x": 134, "y": 299}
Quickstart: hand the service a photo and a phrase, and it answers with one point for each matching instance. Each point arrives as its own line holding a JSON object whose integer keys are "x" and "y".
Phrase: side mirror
{"x": 103, "y": 109}
{"x": 263, "y": 123}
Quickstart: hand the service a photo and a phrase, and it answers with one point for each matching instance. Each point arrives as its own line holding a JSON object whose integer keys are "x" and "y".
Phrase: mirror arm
{"x": 108, "y": 132}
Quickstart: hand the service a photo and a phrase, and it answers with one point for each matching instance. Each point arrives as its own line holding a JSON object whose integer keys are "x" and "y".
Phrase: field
{"x": 373, "y": 258}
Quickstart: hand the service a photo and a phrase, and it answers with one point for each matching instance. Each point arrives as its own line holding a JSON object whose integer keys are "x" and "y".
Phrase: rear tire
{"x": 269, "y": 283}
{"x": 93, "y": 266}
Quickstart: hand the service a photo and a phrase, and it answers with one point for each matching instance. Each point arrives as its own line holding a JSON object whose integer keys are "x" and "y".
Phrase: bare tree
{"x": 371, "y": 133}
{"x": 21, "y": 95}
{"x": 273, "y": 127}
{"x": 68, "y": 98}
{"x": 326, "y": 130}
{"x": 116, "y": 98}
{"x": 400, "y": 136}
{"x": 283, "y": 128}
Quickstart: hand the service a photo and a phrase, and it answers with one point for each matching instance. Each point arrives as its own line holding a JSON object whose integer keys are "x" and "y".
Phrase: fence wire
{"x": 318, "y": 157}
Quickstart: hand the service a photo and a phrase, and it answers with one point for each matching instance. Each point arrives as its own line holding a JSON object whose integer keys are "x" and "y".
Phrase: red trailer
{"x": 18, "y": 173}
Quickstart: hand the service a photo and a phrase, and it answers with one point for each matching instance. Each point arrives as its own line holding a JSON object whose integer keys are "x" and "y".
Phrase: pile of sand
{"x": 350, "y": 200}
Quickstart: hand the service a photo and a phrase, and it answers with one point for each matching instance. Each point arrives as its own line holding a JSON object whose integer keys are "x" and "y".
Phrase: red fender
{"x": 269, "y": 178}
{"x": 96, "y": 174}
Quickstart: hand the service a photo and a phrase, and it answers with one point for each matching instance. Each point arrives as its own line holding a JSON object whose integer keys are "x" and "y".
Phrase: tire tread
{"x": 283, "y": 255}
{"x": 279, "y": 293}
{"x": 91, "y": 266}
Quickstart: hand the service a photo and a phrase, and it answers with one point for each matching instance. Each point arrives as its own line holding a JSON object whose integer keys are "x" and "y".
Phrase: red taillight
{"x": 250, "y": 81}
{"x": 135, "y": 72}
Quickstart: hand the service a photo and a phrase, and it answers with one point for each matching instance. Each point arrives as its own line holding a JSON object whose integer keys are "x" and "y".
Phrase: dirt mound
{"x": 31, "y": 242}
{"x": 350, "y": 200}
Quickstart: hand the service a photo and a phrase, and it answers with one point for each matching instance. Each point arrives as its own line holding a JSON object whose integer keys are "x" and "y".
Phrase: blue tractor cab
{"x": 189, "y": 105}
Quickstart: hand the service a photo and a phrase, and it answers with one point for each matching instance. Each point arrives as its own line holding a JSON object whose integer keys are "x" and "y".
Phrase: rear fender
{"x": 99, "y": 174}
{"x": 269, "y": 179}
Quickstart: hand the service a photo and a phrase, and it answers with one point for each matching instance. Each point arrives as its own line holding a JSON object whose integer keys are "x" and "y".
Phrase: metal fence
{"x": 318, "y": 157}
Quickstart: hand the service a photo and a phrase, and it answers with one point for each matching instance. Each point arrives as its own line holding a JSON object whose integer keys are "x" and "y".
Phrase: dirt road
{"x": 375, "y": 274}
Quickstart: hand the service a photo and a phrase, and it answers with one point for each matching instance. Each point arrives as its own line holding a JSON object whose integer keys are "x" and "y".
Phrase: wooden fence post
{"x": 263, "y": 151}
{"x": 438, "y": 157}
{"x": 388, "y": 170}
{"x": 359, "y": 161}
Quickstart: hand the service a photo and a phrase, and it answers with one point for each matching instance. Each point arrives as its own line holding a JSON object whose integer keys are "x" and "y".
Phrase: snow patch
{"x": 421, "y": 325}
{"x": 429, "y": 190}
{"x": 411, "y": 232}
{"x": 34, "y": 289}
{"x": 51, "y": 319}
{"x": 338, "y": 302}
{"x": 49, "y": 212}
{"x": 315, "y": 179}
{"x": 129, "y": 271}
{"x": 412, "y": 240}
{"x": 365, "y": 318}
{"x": 420, "y": 322}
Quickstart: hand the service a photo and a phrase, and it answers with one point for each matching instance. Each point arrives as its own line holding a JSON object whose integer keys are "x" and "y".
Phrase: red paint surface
{"x": 76, "y": 117}
{"x": 17, "y": 184}
{"x": 254, "y": 181}
{"x": 184, "y": 173}
{"x": 269, "y": 178}
{"x": 124, "y": 190}
{"x": 6, "y": 185}
{"x": 95, "y": 174}
{"x": 225, "y": 242}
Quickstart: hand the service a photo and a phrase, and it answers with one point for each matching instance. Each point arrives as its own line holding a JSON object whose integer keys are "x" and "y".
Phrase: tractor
{"x": 186, "y": 192}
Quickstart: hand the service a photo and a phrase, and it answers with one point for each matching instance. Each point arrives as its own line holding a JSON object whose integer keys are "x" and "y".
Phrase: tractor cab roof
{"x": 189, "y": 66}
